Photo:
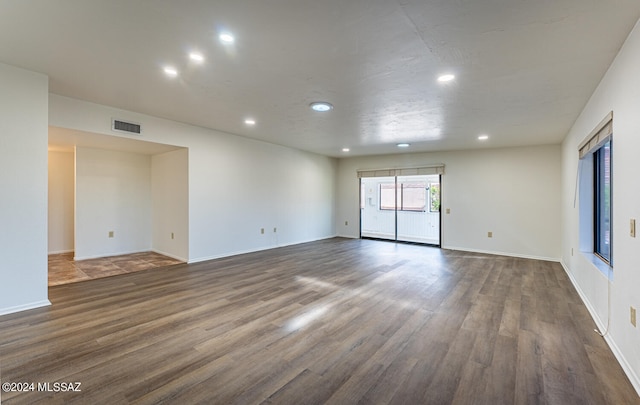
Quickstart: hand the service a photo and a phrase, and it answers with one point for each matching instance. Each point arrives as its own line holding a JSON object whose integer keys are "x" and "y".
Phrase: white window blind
{"x": 412, "y": 171}
{"x": 598, "y": 137}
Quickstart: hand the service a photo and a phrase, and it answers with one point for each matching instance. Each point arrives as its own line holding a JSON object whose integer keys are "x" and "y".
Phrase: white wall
{"x": 113, "y": 193}
{"x": 61, "y": 201}
{"x": 170, "y": 200}
{"x": 619, "y": 92}
{"x": 236, "y": 185}
{"x": 23, "y": 180}
{"x": 512, "y": 192}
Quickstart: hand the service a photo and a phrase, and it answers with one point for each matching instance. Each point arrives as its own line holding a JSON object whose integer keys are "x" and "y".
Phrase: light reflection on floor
{"x": 370, "y": 290}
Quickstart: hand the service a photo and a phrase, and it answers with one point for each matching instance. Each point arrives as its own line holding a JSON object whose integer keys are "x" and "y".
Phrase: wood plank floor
{"x": 337, "y": 321}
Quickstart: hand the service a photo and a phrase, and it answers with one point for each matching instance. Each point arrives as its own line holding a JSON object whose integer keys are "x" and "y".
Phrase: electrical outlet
{"x": 490, "y": 234}
{"x": 632, "y": 311}
{"x": 632, "y": 228}
{"x": 448, "y": 211}
{"x": 262, "y": 231}
{"x": 172, "y": 236}
{"x": 111, "y": 234}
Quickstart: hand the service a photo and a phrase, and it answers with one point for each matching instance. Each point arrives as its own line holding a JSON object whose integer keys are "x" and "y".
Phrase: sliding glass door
{"x": 401, "y": 208}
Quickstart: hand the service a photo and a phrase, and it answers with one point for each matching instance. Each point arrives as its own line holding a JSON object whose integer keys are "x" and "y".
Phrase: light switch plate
{"x": 632, "y": 228}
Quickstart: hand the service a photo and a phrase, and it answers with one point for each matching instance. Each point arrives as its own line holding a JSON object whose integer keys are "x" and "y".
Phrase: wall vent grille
{"x": 128, "y": 127}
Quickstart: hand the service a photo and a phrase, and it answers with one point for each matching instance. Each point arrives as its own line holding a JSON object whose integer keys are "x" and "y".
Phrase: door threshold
{"x": 404, "y": 242}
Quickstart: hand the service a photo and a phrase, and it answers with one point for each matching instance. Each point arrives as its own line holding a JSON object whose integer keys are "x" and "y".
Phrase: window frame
{"x": 603, "y": 202}
{"x": 587, "y": 187}
{"x": 393, "y": 188}
{"x": 434, "y": 198}
{"x": 398, "y": 189}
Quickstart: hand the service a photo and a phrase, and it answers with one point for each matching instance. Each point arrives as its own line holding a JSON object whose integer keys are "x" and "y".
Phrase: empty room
{"x": 296, "y": 202}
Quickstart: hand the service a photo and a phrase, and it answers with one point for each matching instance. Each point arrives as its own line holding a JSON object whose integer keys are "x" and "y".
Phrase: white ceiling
{"x": 525, "y": 68}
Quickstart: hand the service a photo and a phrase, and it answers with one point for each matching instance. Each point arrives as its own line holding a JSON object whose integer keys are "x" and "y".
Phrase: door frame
{"x": 395, "y": 239}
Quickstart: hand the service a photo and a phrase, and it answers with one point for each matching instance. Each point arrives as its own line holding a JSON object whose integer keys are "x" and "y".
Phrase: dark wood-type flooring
{"x": 336, "y": 321}
{"x": 64, "y": 270}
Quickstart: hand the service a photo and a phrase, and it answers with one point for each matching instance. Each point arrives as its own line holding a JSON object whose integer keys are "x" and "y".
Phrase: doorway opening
{"x": 401, "y": 208}
{"x": 116, "y": 205}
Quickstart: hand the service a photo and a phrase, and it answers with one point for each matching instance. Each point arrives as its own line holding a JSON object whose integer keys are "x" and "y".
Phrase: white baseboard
{"x": 260, "y": 249}
{"x": 19, "y": 308}
{"x": 626, "y": 367}
{"x": 490, "y": 252}
{"x": 160, "y": 252}
{"x": 59, "y": 252}
{"x": 110, "y": 255}
{"x": 599, "y": 323}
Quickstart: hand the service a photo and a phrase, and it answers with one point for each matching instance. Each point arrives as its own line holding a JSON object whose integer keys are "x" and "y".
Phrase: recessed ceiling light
{"x": 196, "y": 57}
{"x": 346, "y": 149}
{"x": 403, "y": 145}
{"x": 446, "y": 78}
{"x": 483, "y": 137}
{"x": 250, "y": 121}
{"x": 227, "y": 38}
{"x": 169, "y": 71}
{"x": 321, "y": 106}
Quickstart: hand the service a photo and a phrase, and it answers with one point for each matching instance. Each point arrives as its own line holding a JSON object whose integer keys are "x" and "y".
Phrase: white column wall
{"x": 170, "y": 200}
{"x": 61, "y": 202}
{"x": 23, "y": 180}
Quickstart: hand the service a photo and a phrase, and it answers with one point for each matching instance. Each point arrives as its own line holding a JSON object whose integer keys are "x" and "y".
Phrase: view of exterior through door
{"x": 402, "y": 208}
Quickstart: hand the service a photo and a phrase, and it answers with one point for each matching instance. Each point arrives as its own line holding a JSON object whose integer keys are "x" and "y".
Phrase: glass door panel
{"x": 378, "y": 208}
{"x": 418, "y": 208}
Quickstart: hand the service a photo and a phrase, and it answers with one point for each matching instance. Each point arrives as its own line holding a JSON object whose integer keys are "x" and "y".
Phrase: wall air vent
{"x": 128, "y": 127}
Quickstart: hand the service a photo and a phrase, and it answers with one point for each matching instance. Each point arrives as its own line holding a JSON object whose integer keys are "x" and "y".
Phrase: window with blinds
{"x": 596, "y": 213}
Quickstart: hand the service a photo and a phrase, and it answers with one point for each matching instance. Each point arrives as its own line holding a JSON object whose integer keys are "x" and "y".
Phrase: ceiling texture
{"x": 524, "y": 68}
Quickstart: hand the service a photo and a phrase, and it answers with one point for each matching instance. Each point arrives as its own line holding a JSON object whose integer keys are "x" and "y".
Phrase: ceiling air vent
{"x": 128, "y": 127}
